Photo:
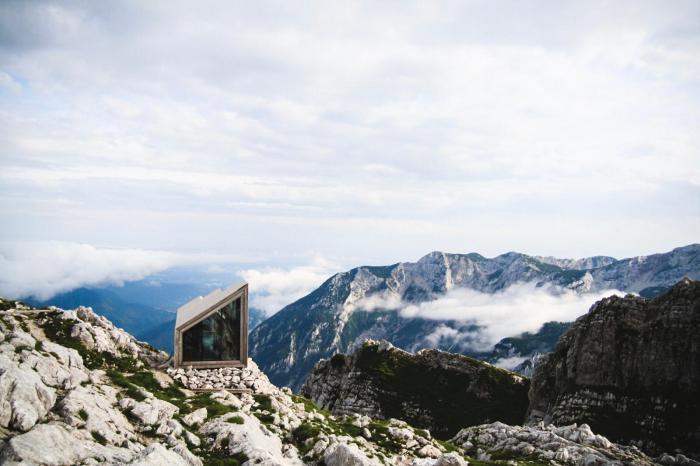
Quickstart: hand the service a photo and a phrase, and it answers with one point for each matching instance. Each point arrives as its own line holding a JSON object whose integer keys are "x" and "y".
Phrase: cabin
{"x": 212, "y": 331}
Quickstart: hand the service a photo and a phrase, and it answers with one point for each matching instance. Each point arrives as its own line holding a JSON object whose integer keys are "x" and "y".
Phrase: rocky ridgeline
{"x": 75, "y": 390}
{"x": 431, "y": 389}
{"x": 229, "y": 378}
{"x": 573, "y": 444}
{"x": 630, "y": 368}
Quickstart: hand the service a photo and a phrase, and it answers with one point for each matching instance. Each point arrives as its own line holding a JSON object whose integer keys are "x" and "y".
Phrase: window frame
{"x": 241, "y": 293}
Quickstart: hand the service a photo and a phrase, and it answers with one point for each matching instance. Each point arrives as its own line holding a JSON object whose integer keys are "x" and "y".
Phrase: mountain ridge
{"x": 327, "y": 319}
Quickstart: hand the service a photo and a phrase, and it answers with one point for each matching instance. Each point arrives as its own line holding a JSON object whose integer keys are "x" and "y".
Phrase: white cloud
{"x": 522, "y": 307}
{"x": 358, "y": 130}
{"x": 44, "y": 268}
{"x": 272, "y": 288}
{"x": 510, "y": 363}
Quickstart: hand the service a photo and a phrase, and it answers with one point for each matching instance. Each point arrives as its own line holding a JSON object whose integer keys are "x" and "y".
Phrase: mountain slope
{"x": 330, "y": 320}
{"x": 630, "y": 368}
{"x": 431, "y": 389}
{"x": 75, "y": 390}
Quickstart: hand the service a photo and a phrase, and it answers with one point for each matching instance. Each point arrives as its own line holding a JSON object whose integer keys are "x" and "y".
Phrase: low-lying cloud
{"x": 43, "y": 269}
{"x": 522, "y": 307}
{"x": 275, "y": 287}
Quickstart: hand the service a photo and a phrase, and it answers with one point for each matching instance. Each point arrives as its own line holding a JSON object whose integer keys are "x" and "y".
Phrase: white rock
{"x": 54, "y": 444}
{"x": 341, "y": 454}
{"x": 157, "y": 455}
{"x": 97, "y": 403}
{"x": 24, "y": 398}
{"x": 195, "y": 417}
{"x": 429, "y": 451}
{"x": 451, "y": 459}
{"x": 153, "y": 411}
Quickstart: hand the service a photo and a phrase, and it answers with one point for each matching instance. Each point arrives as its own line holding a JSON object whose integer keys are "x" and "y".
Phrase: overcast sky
{"x": 319, "y": 136}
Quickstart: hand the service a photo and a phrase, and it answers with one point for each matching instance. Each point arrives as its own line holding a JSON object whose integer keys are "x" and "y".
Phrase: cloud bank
{"x": 42, "y": 269}
{"x": 358, "y": 130}
{"x": 272, "y": 288}
{"x": 522, "y": 307}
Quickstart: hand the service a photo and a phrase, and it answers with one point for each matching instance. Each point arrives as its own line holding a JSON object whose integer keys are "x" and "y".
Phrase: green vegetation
{"x": 7, "y": 304}
{"x": 264, "y": 402}
{"x": 220, "y": 458}
{"x": 454, "y": 399}
{"x": 83, "y": 414}
{"x": 20, "y": 348}
{"x": 235, "y": 420}
{"x": 204, "y": 400}
{"x": 39, "y": 346}
{"x": 99, "y": 438}
{"x": 304, "y": 432}
{"x": 59, "y": 331}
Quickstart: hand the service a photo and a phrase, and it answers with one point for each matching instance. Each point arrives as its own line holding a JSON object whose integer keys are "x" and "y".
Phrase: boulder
{"x": 341, "y": 454}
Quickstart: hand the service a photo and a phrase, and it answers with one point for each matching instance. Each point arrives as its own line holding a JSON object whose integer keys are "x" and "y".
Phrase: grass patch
{"x": 83, "y": 414}
{"x": 304, "y": 432}
{"x": 20, "y": 348}
{"x": 451, "y": 397}
{"x": 264, "y": 402}
{"x": 204, "y": 400}
{"x": 265, "y": 418}
{"x": 122, "y": 381}
{"x": 99, "y": 438}
{"x": 39, "y": 346}
{"x": 220, "y": 457}
{"x": 235, "y": 420}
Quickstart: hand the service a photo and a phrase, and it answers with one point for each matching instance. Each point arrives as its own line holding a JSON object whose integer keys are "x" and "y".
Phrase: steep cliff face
{"x": 434, "y": 390}
{"x": 630, "y": 368}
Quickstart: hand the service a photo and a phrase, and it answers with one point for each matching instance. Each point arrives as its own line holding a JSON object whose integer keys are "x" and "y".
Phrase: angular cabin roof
{"x": 201, "y": 304}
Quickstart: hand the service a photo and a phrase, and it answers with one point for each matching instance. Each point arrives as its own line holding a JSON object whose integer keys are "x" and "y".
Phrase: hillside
{"x": 329, "y": 320}
{"x": 433, "y": 390}
{"x": 76, "y": 390}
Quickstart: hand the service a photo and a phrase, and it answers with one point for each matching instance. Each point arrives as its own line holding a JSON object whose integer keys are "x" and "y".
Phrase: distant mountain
{"x": 329, "y": 321}
{"x": 135, "y": 318}
{"x": 159, "y": 294}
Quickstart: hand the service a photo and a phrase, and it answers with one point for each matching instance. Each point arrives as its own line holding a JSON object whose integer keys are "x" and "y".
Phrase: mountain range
{"x": 361, "y": 303}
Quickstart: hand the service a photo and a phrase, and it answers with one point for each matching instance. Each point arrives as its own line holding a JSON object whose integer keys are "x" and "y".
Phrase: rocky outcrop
{"x": 75, "y": 390}
{"x": 630, "y": 369}
{"x": 569, "y": 445}
{"x": 432, "y": 389}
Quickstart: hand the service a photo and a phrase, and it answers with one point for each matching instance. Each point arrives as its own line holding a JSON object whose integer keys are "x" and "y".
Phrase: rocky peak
{"x": 628, "y": 368}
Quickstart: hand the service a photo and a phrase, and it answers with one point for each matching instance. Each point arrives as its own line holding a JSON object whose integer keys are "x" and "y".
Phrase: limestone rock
{"x": 569, "y": 445}
{"x": 24, "y": 398}
{"x": 195, "y": 417}
{"x": 628, "y": 368}
{"x": 440, "y": 391}
{"x": 157, "y": 455}
{"x": 152, "y": 411}
{"x": 341, "y": 454}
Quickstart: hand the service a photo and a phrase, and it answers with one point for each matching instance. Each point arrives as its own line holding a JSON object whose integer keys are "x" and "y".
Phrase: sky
{"x": 291, "y": 140}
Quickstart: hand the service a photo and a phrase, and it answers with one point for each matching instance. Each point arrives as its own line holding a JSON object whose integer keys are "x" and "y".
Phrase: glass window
{"x": 216, "y": 338}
